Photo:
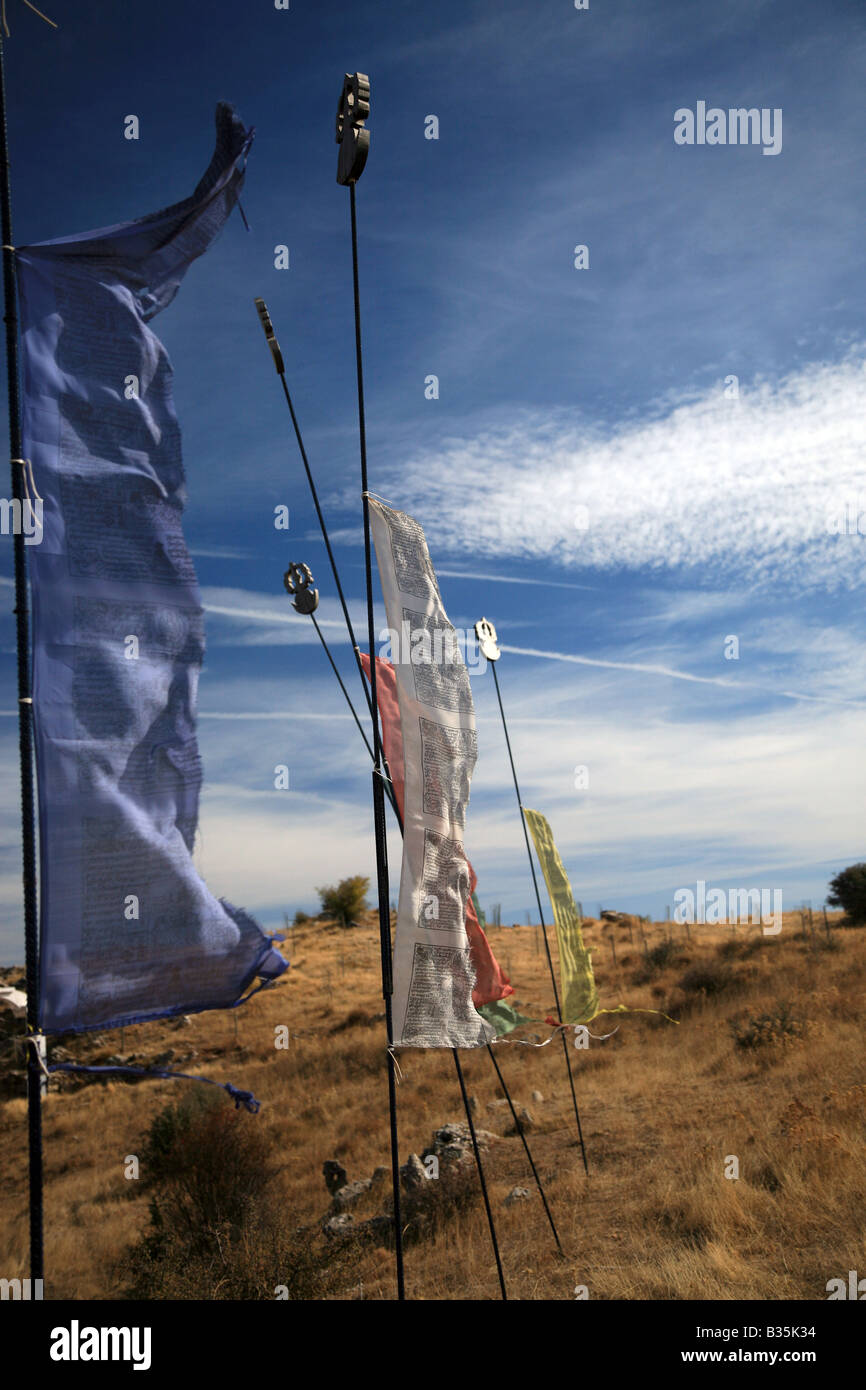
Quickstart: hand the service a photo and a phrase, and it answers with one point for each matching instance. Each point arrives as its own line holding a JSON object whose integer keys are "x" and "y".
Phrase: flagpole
{"x": 299, "y": 581}
{"x": 342, "y": 686}
{"x": 354, "y": 143}
{"x": 519, "y": 1127}
{"x": 277, "y": 355}
{"x": 468, "y": 1108}
{"x": 25, "y": 702}
{"x": 486, "y": 634}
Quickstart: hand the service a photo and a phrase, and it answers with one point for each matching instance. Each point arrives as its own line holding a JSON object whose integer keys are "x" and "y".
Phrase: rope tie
{"x": 33, "y": 1041}
{"x": 377, "y": 497}
{"x": 29, "y": 480}
{"x": 392, "y": 1054}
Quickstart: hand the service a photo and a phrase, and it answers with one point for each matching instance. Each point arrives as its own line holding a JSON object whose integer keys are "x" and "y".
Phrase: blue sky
{"x": 584, "y": 479}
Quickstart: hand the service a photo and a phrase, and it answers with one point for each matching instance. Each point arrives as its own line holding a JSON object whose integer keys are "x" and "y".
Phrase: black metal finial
{"x": 353, "y": 139}
{"x": 298, "y": 580}
{"x": 271, "y": 336}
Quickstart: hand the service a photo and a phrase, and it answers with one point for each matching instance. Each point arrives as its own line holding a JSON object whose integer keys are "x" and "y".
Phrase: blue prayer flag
{"x": 128, "y": 928}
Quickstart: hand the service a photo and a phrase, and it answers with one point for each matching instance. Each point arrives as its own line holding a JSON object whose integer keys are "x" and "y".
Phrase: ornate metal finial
{"x": 486, "y": 634}
{"x": 353, "y": 139}
{"x": 298, "y": 580}
{"x": 271, "y": 336}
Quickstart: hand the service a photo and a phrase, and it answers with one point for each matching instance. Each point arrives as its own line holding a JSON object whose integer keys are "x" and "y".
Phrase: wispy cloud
{"x": 219, "y": 552}
{"x": 487, "y": 578}
{"x": 753, "y": 489}
{"x": 275, "y": 622}
{"x": 652, "y": 669}
{"x": 283, "y": 714}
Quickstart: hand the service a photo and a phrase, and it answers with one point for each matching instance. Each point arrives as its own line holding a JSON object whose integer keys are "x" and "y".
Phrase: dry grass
{"x": 662, "y": 1105}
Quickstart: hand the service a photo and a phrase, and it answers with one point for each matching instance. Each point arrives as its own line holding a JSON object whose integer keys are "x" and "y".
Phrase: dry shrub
{"x": 848, "y": 1104}
{"x": 708, "y": 978}
{"x": 734, "y": 949}
{"x": 664, "y": 954}
{"x": 259, "y": 1258}
{"x": 216, "y": 1231}
{"x": 431, "y": 1208}
{"x": 656, "y": 960}
{"x": 203, "y": 1163}
{"x": 778, "y": 1028}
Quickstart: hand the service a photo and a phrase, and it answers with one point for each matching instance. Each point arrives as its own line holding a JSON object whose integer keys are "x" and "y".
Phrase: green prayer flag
{"x": 504, "y": 1017}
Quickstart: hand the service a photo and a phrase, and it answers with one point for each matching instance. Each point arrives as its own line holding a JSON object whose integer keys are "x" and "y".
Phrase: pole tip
{"x": 353, "y": 139}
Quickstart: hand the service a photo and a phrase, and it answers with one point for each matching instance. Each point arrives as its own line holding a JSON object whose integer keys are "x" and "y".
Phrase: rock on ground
{"x": 347, "y": 1195}
{"x": 413, "y": 1174}
{"x": 526, "y": 1121}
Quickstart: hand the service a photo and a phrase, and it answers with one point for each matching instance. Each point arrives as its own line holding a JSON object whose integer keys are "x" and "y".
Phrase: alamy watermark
{"x": 848, "y": 519}
{"x": 77, "y": 1343}
{"x": 21, "y": 1289}
{"x": 854, "y": 1288}
{"x": 431, "y": 646}
{"x": 21, "y": 518}
{"x": 738, "y": 125}
{"x": 717, "y": 908}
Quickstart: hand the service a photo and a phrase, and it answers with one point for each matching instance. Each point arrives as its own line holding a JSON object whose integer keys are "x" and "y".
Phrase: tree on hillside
{"x": 848, "y": 891}
{"x": 347, "y": 900}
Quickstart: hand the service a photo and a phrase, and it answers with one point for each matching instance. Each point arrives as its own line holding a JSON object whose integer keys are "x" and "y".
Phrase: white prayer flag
{"x": 433, "y": 973}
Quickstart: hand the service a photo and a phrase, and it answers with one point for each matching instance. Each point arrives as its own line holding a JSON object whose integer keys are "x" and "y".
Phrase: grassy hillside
{"x": 767, "y": 1063}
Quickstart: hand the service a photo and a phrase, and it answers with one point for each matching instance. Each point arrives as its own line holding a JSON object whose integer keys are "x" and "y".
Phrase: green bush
{"x": 347, "y": 900}
{"x": 848, "y": 891}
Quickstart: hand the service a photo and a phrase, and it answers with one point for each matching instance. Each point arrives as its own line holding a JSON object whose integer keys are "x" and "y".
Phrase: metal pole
{"x": 25, "y": 704}
{"x": 382, "y": 882}
{"x": 541, "y": 917}
{"x": 468, "y": 1109}
{"x": 321, "y": 636}
{"x": 378, "y": 772}
{"x": 354, "y": 142}
{"x": 280, "y": 365}
{"x": 519, "y": 1127}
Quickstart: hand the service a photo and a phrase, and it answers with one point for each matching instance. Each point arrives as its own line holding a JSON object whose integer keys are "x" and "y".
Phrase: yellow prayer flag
{"x": 580, "y": 1002}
